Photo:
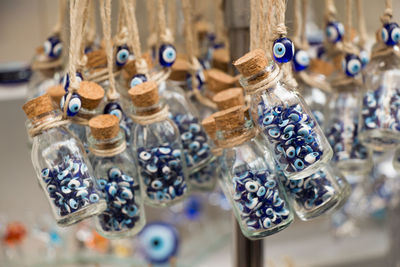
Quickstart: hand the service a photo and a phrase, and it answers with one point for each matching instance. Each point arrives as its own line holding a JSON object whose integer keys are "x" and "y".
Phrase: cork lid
{"x": 104, "y": 127}
{"x": 91, "y": 94}
{"x": 96, "y": 58}
{"x": 229, "y": 98}
{"x": 218, "y": 80}
{"x": 144, "y": 94}
{"x": 229, "y": 120}
{"x": 38, "y": 106}
{"x": 179, "y": 70}
{"x": 210, "y": 126}
{"x": 56, "y": 92}
{"x": 251, "y": 63}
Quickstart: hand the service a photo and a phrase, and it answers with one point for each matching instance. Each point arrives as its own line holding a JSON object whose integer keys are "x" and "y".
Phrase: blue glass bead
{"x": 122, "y": 55}
{"x": 125, "y": 122}
{"x": 283, "y": 50}
{"x": 334, "y": 31}
{"x": 138, "y": 79}
{"x": 351, "y": 65}
{"x": 74, "y": 104}
{"x": 122, "y": 212}
{"x": 65, "y": 81}
{"x": 166, "y": 55}
{"x": 159, "y": 242}
{"x": 257, "y": 195}
{"x": 364, "y": 57}
{"x": 53, "y": 47}
{"x": 301, "y": 60}
{"x": 200, "y": 80}
{"x": 390, "y": 34}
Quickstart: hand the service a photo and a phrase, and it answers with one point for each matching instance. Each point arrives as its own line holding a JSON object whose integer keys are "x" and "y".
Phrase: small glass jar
{"x": 78, "y": 125}
{"x": 249, "y": 181}
{"x": 118, "y": 179}
{"x": 63, "y": 170}
{"x": 41, "y": 80}
{"x": 379, "y": 121}
{"x": 293, "y": 134}
{"x": 158, "y": 146}
{"x": 350, "y": 156}
{"x": 316, "y": 195}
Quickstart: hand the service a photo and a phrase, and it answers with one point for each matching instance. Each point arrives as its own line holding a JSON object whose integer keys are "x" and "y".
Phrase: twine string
{"x": 46, "y": 125}
{"x": 253, "y": 24}
{"x": 109, "y": 152}
{"x": 280, "y": 27}
{"x": 388, "y": 14}
{"x": 161, "y": 115}
{"x": 163, "y": 31}
{"x": 330, "y": 11}
{"x": 362, "y": 29}
{"x": 151, "y": 19}
{"x": 62, "y": 7}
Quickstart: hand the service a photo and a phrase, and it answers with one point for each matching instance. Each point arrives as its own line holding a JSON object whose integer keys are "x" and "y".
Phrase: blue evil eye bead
{"x": 115, "y": 109}
{"x": 301, "y": 60}
{"x": 66, "y": 81}
{"x": 364, "y": 57}
{"x": 199, "y": 77}
{"x": 167, "y": 55}
{"x": 114, "y": 173}
{"x": 52, "y": 47}
{"x": 138, "y": 79}
{"x": 334, "y": 32}
{"x": 351, "y": 65}
{"x": 159, "y": 242}
{"x": 283, "y": 50}
{"x": 74, "y": 104}
{"x": 122, "y": 55}
{"x": 390, "y": 34}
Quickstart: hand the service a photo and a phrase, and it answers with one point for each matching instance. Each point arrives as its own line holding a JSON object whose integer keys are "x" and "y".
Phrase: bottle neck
{"x": 44, "y": 122}
{"x": 108, "y": 147}
{"x": 235, "y": 137}
{"x": 255, "y": 81}
{"x": 147, "y": 111}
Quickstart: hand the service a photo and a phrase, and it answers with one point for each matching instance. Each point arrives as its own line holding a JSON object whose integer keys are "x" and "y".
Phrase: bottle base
{"x": 324, "y": 209}
{"x": 268, "y": 232}
{"x": 379, "y": 139}
{"x": 120, "y": 234}
{"x": 89, "y": 211}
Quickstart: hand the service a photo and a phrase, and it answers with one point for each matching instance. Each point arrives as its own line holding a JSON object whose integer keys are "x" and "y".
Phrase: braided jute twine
{"x": 381, "y": 49}
{"x": 160, "y": 115}
{"x": 330, "y": 16}
{"x": 237, "y": 140}
{"x": 109, "y": 152}
{"x": 195, "y": 65}
{"x": 46, "y": 125}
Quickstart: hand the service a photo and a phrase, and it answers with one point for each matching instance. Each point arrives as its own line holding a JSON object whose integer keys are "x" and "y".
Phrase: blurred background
{"x": 358, "y": 236}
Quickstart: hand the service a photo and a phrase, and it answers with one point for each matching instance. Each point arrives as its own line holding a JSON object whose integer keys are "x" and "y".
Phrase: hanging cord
{"x": 362, "y": 29}
{"x": 91, "y": 25}
{"x": 105, "y": 12}
{"x": 110, "y": 151}
{"x": 77, "y": 11}
{"x": 134, "y": 41}
{"x": 330, "y": 11}
{"x": 221, "y": 32}
{"x": 381, "y": 49}
{"x": 263, "y": 25}
{"x": 151, "y": 19}
{"x": 163, "y": 31}
{"x": 62, "y": 7}
{"x": 121, "y": 38}
{"x": 267, "y": 28}
{"x": 280, "y": 28}
{"x": 172, "y": 16}
{"x": 253, "y": 24}
{"x": 194, "y": 63}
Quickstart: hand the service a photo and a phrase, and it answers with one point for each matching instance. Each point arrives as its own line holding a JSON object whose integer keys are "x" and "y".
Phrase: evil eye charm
{"x": 52, "y": 47}
{"x": 115, "y": 109}
{"x": 334, "y": 32}
{"x": 283, "y": 50}
{"x": 199, "y": 77}
{"x": 364, "y": 57}
{"x": 74, "y": 104}
{"x": 351, "y": 65}
{"x": 114, "y": 173}
{"x": 159, "y": 242}
{"x": 301, "y": 60}
{"x": 167, "y": 55}
{"x": 66, "y": 81}
{"x": 122, "y": 55}
{"x": 390, "y": 34}
{"x": 138, "y": 79}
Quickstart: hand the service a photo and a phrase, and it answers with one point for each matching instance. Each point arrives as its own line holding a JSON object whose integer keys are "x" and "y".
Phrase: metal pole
{"x": 247, "y": 253}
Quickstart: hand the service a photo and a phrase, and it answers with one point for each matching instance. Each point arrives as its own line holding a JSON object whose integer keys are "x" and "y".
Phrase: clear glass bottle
{"x": 316, "y": 195}
{"x": 62, "y": 167}
{"x": 158, "y": 146}
{"x": 41, "y": 80}
{"x": 118, "y": 179}
{"x": 258, "y": 199}
{"x": 379, "y": 117}
{"x": 350, "y": 156}
{"x": 293, "y": 134}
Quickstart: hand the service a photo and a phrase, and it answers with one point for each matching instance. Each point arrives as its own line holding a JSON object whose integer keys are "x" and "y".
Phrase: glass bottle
{"x": 248, "y": 178}
{"x": 317, "y": 194}
{"x": 62, "y": 167}
{"x": 158, "y": 146}
{"x": 117, "y": 177}
{"x": 379, "y": 117}
{"x": 293, "y": 134}
{"x": 350, "y": 156}
{"x": 41, "y": 80}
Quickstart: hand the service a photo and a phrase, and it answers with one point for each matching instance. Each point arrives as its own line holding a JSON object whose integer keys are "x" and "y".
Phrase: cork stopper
{"x": 91, "y": 94}
{"x": 129, "y": 69}
{"x": 56, "y": 92}
{"x": 230, "y": 121}
{"x": 144, "y": 94}
{"x": 251, "y": 63}
{"x": 38, "y": 106}
{"x": 210, "y": 126}
{"x": 229, "y": 98}
{"x": 96, "y": 58}
{"x": 221, "y": 59}
{"x": 179, "y": 70}
{"x": 218, "y": 80}
{"x": 321, "y": 67}
{"x": 104, "y": 127}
